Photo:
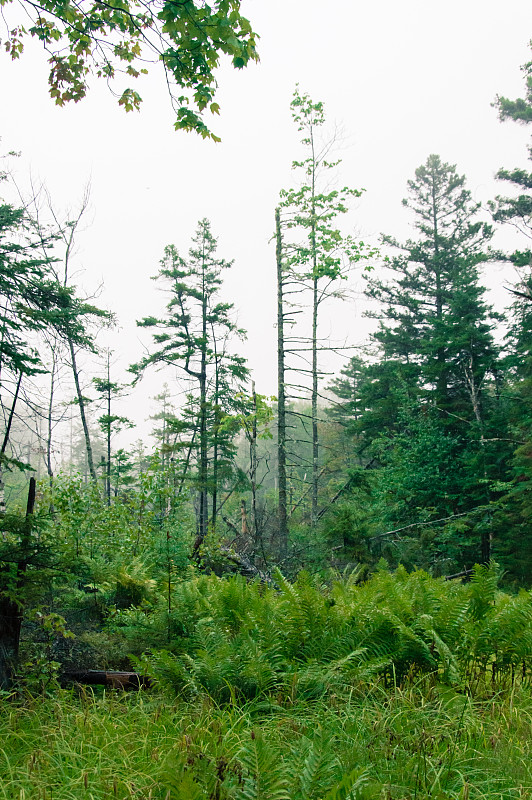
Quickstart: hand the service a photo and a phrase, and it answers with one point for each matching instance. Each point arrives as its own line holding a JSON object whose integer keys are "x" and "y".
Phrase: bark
{"x": 81, "y": 403}
{"x": 486, "y": 533}
{"x": 315, "y": 303}
{"x": 116, "y": 680}
{"x": 12, "y": 610}
{"x": 253, "y": 471}
{"x": 244, "y": 518}
{"x": 108, "y": 471}
{"x": 281, "y": 398}
{"x": 5, "y": 443}
{"x": 216, "y": 434}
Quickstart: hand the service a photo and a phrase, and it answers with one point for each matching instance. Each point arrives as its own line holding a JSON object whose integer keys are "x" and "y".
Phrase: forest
{"x": 320, "y": 594}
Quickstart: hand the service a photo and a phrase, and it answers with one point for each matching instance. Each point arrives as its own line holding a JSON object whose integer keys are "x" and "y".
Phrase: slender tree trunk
{"x": 204, "y": 508}
{"x": 486, "y": 533}
{"x": 253, "y": 471}
{"x": 49, "y": 421}
{"x": 315, "y": 302}
{"x": 281, "y": 398}
{"x": 81, "y": 403}
{"x": 216, "y": 435}
{"x": 12, "y": 610}
{"x": 314, "y": 412}
{"x": 108, "y": 432}
{"x": 5, "y": 443}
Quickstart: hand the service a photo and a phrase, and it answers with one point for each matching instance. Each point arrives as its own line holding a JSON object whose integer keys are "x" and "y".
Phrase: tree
{"x": 281, "y": 391}
{"x": 108, "y": 40}
{"x": 517, "y": 210}
{"x": 33, "y": 301}
{"x": 109, "y": 423}
{"x": 322, "y": 253}
{"x": 437, "y": 329}
{"x": 188, "y": 338}
{"x": 438, "y": 322}
{"x": 516, "y": 509}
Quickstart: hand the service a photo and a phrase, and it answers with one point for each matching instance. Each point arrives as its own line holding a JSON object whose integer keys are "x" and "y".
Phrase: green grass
{"x": 422, "y": 741}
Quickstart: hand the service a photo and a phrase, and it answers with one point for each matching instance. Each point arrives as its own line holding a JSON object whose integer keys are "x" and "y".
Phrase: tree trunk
{"x": 253, "y": 471}
{"x": 108, "y": 432}
{"x": 204, "y": 506}
{"x": 314, "y": 412}
{"x": 315, "y": 303}
{"x": 281, "y": 400}
{"x": 81, "y": 403}
{"x": 5, "y": 443}
{"x": 12, "y": 610}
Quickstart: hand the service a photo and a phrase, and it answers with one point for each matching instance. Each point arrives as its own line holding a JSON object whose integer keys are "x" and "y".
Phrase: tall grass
{"x": 420, "y": 741}
{"x": 402, "y": 688}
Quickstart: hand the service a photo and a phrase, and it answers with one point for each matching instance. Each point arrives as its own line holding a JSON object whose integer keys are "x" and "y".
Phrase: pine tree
{"x": 189, "y": 338}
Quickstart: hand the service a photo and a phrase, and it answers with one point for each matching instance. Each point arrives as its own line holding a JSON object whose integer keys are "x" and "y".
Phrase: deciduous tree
{"x": 108, "y": 40}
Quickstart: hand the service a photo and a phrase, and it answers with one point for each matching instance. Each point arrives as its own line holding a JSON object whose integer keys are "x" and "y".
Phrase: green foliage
{"x": 421, "y": 741}
{"x": 306, "y": 640}
{"x": 193, "y": 337}
{"x": 108, "y": 41}
{"x": 33, "y": 299}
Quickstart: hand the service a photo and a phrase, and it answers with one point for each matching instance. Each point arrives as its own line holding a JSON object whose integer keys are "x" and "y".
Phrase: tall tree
{"x": 319, "y": 253}
{"x": 436, "y": 318}
{"x": 186, "y": 339}
{"x": 33, "y": 300}
{"x": 281, "y": 391}
{"x": 436, "y": 326}
{"x": 517, "y": 210}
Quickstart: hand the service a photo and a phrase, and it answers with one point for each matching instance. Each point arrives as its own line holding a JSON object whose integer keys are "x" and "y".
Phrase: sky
{"x": 399, "y": 81}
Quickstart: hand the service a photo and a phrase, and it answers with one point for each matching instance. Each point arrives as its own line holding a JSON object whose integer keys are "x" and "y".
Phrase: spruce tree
{"x": 435, "y": 335}
{"x": 433, "y": 315}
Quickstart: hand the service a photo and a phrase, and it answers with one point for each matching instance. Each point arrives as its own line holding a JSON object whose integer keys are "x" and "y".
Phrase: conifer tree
{"x": 435, "y": 318}
{"x": 517, "y": 210}
{"x": 188, "y": 338}
{"x": 435, "y": 335}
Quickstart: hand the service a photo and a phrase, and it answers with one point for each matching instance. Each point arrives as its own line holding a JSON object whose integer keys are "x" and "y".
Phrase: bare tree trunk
{"x": 203, "y": 520}
{"x": 253, "y": 470}
{"x": 486, "y": 534}
{"x": 281, "y": 398}
{"x": 81, "y": 403}
{"x": 11, "y": 610}
{"x": 5, "y": 443}
{"x": 314, "y": 412}
{"x": 244, "y": 518}
{"x": 49, "y": 426}
{"x": 315, "y": 302}
{"x": 108, "y": 471}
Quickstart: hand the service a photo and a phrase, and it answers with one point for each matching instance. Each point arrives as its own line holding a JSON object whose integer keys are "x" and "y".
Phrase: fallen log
{"x": 112, "y": 678}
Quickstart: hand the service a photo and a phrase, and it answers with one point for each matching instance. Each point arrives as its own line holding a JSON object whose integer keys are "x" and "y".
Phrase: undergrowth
{"x": 422, "y": 741}
{"x": 400, "y": 688}
{"x": 306, "y": 640}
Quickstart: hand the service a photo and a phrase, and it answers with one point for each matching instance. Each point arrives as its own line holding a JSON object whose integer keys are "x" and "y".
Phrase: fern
{"x": 264, "y": 774}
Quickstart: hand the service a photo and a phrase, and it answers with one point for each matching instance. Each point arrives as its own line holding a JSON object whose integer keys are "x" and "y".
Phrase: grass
{"x": 422, "y": 741}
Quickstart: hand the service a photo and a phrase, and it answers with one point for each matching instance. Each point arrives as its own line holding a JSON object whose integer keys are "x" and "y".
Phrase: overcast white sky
{"x": 402, "y": 79}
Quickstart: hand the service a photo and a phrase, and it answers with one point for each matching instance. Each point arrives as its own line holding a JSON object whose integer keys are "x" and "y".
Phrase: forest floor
{"x": 422, "y": 741}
